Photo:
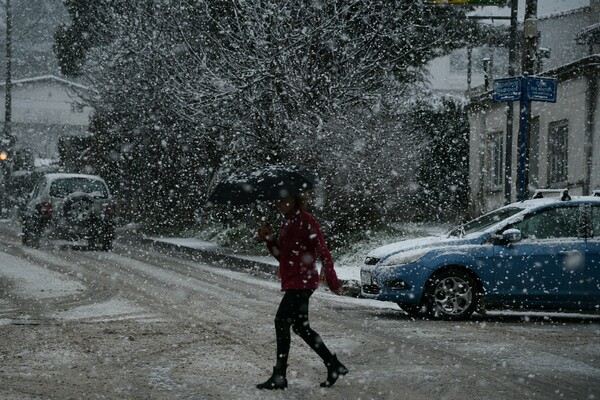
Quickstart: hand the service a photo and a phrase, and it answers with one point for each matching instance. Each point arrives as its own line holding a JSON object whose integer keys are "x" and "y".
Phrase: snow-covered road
{"x": 137, "y": 323}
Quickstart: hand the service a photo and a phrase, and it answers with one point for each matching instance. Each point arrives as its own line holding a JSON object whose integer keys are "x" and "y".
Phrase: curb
{"x": 226, "y": 260}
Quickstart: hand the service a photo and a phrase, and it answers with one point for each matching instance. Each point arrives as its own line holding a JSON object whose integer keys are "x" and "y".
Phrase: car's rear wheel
{"x": 103, "y": 240}
{"x": 107, "y": 244}
{"x": 29, "y": 235}
{"x": 452, "y": 294}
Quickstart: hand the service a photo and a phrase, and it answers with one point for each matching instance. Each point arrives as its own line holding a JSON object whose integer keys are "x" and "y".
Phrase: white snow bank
{"x": 186, "y": 242}
{"x": 36, "y": 282}
{"x": 343, "y": 272}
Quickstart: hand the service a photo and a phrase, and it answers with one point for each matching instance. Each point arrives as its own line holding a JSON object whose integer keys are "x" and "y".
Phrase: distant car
{"x": 70, "y": 207}
{"x": 537, "y": 254}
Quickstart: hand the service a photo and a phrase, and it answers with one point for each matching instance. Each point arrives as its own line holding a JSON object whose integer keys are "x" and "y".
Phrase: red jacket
{"x": 300, "y": 244}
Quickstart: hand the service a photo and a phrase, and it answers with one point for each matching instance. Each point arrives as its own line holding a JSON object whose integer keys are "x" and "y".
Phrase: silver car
{"x": 70, "y": 207}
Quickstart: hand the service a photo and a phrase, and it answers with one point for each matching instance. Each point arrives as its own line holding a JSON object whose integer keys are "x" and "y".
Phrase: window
{"x": 558, "y": 140}
{"x": 496, "y": 160}
{"x": 485, "y": 221}
{"x": 63, "y": 187}
{"x": 560, "y": 222}
{"x": 596, "y": 221}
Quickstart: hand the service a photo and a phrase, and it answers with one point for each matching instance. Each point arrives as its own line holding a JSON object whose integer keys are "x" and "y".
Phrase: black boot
{"x": 276, "y": 381}
{"x": 335, "y": 369}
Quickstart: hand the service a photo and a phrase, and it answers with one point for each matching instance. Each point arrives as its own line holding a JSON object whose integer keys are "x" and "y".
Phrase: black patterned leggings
{"x": 293, "y": 313}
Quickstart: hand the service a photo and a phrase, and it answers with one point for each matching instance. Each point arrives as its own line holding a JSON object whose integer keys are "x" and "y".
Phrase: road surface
{"x": 135, "y": 323}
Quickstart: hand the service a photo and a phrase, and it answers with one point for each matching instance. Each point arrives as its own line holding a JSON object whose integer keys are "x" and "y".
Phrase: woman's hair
{"x": 301, "y": 200}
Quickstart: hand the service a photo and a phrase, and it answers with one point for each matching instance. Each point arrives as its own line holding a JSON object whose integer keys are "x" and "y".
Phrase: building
{"x": 45, "y": 108}
{"x": 564, "y": 140}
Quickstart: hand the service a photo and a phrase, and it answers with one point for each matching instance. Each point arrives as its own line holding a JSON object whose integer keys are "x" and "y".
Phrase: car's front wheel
{"x": 107, "y": 243}
{"x": 452, "y": 294}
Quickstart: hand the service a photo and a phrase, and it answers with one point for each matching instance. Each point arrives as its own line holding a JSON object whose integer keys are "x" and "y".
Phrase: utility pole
{"x": 530, "y": 45}
{"x": 7, "y": 137}
{"x": 8, "y": 97}
{"x": 512, "y": 64}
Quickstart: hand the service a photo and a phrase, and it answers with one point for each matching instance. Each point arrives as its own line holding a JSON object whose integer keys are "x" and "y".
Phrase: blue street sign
{"x": 525, "y": 89}
{"x": 507, "y": 89}
{"x": 541, "y": 89}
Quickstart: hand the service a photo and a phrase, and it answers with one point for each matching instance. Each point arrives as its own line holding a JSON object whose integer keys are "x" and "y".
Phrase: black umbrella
{"x": 268, "y": 183}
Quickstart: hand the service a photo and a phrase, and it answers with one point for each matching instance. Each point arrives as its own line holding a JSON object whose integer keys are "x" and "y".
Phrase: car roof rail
{"x": 539, "y": 193}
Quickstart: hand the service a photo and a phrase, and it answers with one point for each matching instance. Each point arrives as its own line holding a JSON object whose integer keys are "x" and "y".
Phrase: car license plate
{"x": 365, "y": 277}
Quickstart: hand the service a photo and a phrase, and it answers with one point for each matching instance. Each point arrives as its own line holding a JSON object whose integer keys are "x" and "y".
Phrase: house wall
{"x": 42, "y": 112}
{"x": 595, "y": 167}
{"x": 570, "y": 106}
{"x": 558, "y": 33}
{"x": 490, "y": 117}
{"x": 484, "y": 122}
{"x": 575, "y": 98}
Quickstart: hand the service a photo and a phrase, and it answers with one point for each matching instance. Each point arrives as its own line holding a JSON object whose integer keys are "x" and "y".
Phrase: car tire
{"x": 452, "y": 295}
{"x": 106, "y": 238}
{"x": 31, "y": 239}
{"x": 107, "y": 245}
{"x": 92, "y": 243}
{"x": 29, "y": 236}
{"x": 25, "y": 235}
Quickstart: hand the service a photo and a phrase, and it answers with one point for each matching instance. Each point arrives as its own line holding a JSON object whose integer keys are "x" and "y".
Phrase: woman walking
{"x": 299, "y": 244}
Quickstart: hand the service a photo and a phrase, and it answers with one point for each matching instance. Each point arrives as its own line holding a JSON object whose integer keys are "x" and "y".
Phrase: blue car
{"x": 539, "y": 254}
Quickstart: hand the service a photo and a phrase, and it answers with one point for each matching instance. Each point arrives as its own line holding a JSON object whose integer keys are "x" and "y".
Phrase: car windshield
{"x": 484, "y": 222}
{"x": 64, "y": 187}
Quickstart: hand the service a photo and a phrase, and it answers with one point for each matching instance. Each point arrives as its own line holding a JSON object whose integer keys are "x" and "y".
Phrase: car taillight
{"x": 110, "y": 210}
{"x": 46, "y": 209}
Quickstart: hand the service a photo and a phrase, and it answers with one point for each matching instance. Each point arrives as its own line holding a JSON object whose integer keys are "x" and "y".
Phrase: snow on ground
{"x": 116, "y": 309}
{"x": 36, "y": 282}
{"x": 189, "y": 242}
{"x": 344, "y": 272}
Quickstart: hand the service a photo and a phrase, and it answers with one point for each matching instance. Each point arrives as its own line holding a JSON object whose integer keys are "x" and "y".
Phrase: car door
{"x": 546, "y": 268}
{"x": 30, "y": 209}
{"x": 592, "y": 281}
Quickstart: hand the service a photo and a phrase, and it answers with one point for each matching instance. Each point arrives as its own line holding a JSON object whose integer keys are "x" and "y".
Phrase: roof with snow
{"x": 48, "y": 78}
{"x": 563, "y": 72}
{"x": 589, "y": 34}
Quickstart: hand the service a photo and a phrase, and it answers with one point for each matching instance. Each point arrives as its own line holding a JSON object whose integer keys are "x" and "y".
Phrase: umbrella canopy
{"x": 268, "y": 183}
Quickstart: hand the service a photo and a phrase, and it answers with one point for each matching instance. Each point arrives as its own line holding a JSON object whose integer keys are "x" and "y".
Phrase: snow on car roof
{"x": 526, "y": 206}
{"x": 535, "y": 203}
{"x": 62, "y": 175}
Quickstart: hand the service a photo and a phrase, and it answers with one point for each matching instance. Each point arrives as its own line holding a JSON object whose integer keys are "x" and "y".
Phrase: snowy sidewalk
{"x": 349, "y": 276}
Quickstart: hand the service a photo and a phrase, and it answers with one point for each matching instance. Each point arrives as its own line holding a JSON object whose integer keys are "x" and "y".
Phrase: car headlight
{"x": 406, "y": 257}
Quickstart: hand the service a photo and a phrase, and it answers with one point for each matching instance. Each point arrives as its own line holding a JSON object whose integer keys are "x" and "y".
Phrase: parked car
{"x": 70, "y": 207}
{"x": 542, "y": 253}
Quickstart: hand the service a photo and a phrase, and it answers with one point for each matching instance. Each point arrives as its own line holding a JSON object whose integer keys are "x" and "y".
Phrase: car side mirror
{"x": 511, "y": 236}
